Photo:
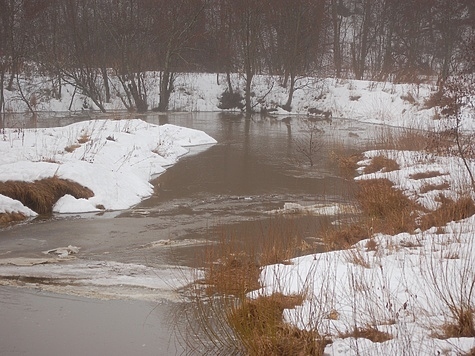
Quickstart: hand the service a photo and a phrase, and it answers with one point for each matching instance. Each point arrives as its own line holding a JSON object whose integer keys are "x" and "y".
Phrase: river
{"x": 91, "y": 305}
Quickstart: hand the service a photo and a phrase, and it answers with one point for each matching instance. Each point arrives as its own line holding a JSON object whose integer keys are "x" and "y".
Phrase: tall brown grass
{"x": 389, "y": 210}
{"x": 260, "y": 326}
{"x": 8, "y": 218}
{"x": 411, "y": 139}
{"x": 449, "y": 210}
{"x": 381, "y": 163}
{"x": 236, "y": 323}
{"x": 41, "y": 195}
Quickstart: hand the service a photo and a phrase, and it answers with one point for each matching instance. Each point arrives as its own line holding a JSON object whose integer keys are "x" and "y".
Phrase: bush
{"x": 231, "y": 101}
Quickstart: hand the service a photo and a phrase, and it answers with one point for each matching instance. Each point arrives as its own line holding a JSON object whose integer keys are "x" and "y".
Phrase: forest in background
{"x": 87, "y": 42}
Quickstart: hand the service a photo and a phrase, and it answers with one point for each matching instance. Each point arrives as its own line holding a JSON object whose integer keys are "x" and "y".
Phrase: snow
{"x": 369, "y": 101}
{"x": 408, "y": 286}
{"x": 8, "y": 205}
{"x": 404, "y": 288}
{"x": 116, "y": 159}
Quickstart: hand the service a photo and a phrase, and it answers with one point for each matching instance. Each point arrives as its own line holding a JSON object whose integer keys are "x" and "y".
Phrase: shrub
{"x": 231, "y": 101}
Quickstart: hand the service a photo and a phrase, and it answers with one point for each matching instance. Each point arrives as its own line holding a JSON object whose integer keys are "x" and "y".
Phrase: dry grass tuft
{"x": 368, "y": 332}
{"x": 71, "y": 148}
{"x": 381, "y": 164}
{"x": 83, "y": 139}
{"x": 462, "y": 326}
{"x": 9, "y": 218}
{"x": 450, "y": 210}
{"x": 430, "y": 187}
{"x": 371, "y": 245}
{"x": 410, "y": 139}
{"x": 233, "y": 273}
{"x": 404, "y": 139}
{"x": 390, "y": 211}
{"x": 260, "y": 326}
{"x": 347, "y": 163}
{"x": 356, "y": 257}
{"x": 425, "y": 175}
{"x": 41, "y": 195}
{"x": 233, "y": 267}
{"x": 344, "y": 236}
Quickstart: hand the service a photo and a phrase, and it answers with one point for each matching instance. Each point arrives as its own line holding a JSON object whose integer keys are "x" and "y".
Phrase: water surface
{"x": 225, "y": 189}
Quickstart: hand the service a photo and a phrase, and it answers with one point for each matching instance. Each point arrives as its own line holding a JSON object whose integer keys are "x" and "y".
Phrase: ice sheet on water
{"x": 100, "y": 279}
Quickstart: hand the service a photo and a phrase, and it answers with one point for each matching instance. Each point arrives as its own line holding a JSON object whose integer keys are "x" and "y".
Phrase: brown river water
{"x": 227, "y": 188}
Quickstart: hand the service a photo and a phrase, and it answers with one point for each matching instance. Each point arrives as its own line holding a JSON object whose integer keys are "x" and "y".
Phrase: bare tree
{"x": 309, "y": 142}
{"x": 460, "y": 89}
{"x": 249, "y": 16}
{"x": 298, "y": 37}
{"x": 220, "y": 39}
{"x": 176, "y": 29}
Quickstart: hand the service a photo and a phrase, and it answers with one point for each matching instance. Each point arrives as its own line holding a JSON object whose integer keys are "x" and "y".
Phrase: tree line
{"x": 86, "y": 42}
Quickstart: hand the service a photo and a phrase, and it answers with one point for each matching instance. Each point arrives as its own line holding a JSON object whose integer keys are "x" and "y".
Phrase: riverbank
{"x": 403, "y": 105}
{"x": 90, "y": 166}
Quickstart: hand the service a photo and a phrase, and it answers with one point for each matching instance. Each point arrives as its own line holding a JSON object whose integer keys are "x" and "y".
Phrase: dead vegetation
{"x": 403, "y": 139}
{"x": 347, "y": 163}
{"x": 81, "y": 140}
{"x": 431, "y": 187}
{"x": 345, "y": 235}
{"x": 258, "y": 323}
{"x": 388, "y": 209}
{"x": 71, "y": 148}
{"x": 368, "y": 332}
{"x": 260, "y": 326}
{"x": 9, "y": 218}
{"x": 425, "y": 175}
{"x": 41, "y": 195}
{"x": 449, "y": 210}
{"x": 462, "y": 325}
{"x": 232, "y": 273}
{"x": 381, "y": 164}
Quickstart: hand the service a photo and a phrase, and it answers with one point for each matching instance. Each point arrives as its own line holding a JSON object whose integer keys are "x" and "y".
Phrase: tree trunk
{"x": 140, "y": 103}
{"x": 230, "y": 85}
{"x": 288, "y": 104}
{"x": 336, "y": 39}
{"x": 166, "y": 85}
{"x": 249, "y": 76}
{"x": 10, "y": 81}
{"x": 105, "y": 78}
{"x": 2, "y": 101}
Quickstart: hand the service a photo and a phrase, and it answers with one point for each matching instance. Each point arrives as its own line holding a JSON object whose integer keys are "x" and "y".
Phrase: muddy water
{"x": 231, "y": 186}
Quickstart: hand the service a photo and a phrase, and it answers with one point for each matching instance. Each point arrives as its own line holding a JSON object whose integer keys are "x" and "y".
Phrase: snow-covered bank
{"x": 413, "y": 287}
{"x": 369, "y": 101}
{"x": 115, "y": 159}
